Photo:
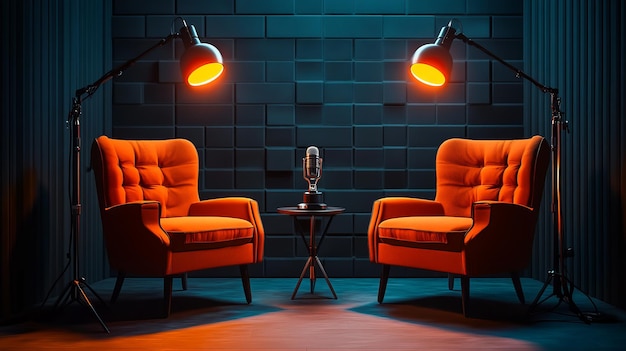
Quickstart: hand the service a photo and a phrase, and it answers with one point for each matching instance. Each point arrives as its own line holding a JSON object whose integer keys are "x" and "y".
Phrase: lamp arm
{"x": 555, "y": 101}
{"x": 88, "y": 90}
{"x": 518, "y": 72}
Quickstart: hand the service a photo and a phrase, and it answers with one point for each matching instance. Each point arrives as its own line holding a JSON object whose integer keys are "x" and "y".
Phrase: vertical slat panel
{"x": 578, "y": 48}
{"x": 43, "y": 59}
{"x": 600, "y": 155}
{"x": 619, "y": 145}
{"x": 8, "y": 106}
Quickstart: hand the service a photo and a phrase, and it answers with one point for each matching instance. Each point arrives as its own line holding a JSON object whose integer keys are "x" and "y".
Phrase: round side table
{"x": 313, "y": 247}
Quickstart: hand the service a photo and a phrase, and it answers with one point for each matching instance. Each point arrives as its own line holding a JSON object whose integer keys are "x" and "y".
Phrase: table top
{"x": 296, "y": 211}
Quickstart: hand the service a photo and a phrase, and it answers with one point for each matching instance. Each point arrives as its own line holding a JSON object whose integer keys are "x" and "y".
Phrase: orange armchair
{"x": 154, "y": 222}
{"x": 481, "y": 222}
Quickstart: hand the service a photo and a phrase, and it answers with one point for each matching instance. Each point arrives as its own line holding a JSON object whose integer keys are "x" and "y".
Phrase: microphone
{"x": 312, "y": 168}
{"x": 312, "y": 172}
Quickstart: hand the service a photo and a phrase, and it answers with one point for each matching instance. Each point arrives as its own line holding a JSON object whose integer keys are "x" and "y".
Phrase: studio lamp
{"x": 431, "y": 64}
{"x": 200, "y": 64}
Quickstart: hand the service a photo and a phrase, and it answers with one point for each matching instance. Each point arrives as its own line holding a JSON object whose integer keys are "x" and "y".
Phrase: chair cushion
{"x": 206, "y": 232}
{"x": 436, "y": 232}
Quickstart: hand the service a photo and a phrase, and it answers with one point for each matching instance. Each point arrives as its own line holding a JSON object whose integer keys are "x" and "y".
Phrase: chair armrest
{"x": 501, "y": 238}
{"x": 135, "y": 241}
{"x": 236, "y": 207}
{"x": 392, "y": 207}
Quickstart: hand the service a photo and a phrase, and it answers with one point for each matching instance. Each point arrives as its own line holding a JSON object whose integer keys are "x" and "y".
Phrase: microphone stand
{"x": 75, "y": 291}
{"x": 562, "y": 286}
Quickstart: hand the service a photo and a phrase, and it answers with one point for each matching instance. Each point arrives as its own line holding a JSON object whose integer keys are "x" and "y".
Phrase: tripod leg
{"x": 568, "y": 288}
{"x": 83, "y": 282}
{"x": 564, "y": 294}
{"x": 65, "y": 296}
{"x": 543, "y": 289}
{"x": 88, "y": 303}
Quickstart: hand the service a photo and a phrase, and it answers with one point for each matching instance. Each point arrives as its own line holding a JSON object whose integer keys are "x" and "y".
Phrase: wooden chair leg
{"x": 382, "y": 287}
{"x": 183, "y": 280}
{"x": 167, "y": 295}
{"x": 118, "y": 286}
{"x": 245, "y": 279}
{"x": 465, "y": 289}
{"x": 517, "y": 283}
{"x": 450, "y": 281}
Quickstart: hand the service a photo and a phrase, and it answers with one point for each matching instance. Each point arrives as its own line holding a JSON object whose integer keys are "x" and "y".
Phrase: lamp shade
{"x": 201, "y": 63}
{"x": 432, "y": 63}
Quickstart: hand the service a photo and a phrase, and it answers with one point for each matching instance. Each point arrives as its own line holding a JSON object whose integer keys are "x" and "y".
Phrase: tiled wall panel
{"x": 328, "y": 73}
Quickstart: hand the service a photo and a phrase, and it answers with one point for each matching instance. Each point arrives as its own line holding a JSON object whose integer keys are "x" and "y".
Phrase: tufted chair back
{"x": 479, "y": 170}
{"x": 136, "y": 170}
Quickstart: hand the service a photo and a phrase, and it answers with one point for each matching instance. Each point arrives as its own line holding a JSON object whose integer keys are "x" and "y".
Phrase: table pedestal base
{"x": 310, "y": 266}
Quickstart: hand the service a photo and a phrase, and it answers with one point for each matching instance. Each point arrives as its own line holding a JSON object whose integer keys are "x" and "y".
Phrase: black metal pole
{"x": 557, "y": 214}
{"x": 76, "y": 205}
{"x": 75, "y": 289}
{"x": 562, "y": 287}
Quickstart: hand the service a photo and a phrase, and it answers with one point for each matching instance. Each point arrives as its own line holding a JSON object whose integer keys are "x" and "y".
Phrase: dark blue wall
{"x": 328, "y": 73}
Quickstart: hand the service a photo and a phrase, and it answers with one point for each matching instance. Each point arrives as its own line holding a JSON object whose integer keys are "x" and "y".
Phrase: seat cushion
{"x": 206, "y": 232}
{"x": 435, "y": 232}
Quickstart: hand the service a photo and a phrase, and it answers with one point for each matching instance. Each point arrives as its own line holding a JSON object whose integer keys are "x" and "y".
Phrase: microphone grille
{"x": 312, "y": 150}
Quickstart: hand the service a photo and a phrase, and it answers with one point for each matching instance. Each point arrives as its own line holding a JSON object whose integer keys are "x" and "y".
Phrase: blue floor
{"x": 411, "y": 305}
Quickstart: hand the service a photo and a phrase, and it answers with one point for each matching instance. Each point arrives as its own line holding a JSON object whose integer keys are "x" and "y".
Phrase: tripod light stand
{"x": 200, "y": 64}
{"x": 431, "y": 65}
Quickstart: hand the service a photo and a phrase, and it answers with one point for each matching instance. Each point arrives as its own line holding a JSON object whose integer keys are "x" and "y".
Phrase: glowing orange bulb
{"x": 428, "y": 74}
{"x": 205, "y": 74}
